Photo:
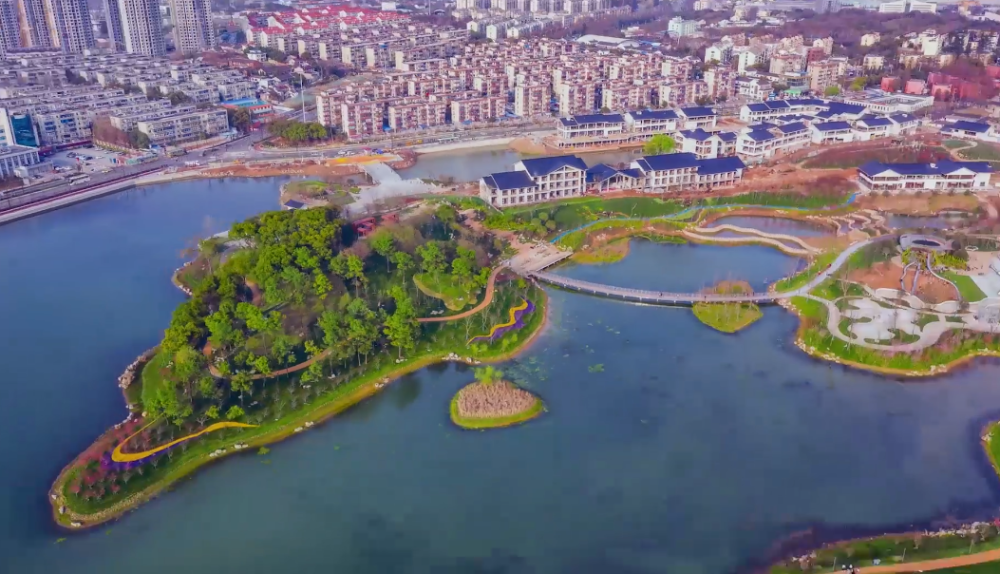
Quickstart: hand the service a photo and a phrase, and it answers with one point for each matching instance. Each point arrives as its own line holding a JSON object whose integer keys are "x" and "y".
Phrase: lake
{"x": 692, "y": 451}
{"x": 774, "y": 225}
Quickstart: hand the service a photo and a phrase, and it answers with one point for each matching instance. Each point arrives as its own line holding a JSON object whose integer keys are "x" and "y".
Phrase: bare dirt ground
{"x": 918, "y": 205}
{"x": 887, "y": 274}
{"x": 527, "y": 146}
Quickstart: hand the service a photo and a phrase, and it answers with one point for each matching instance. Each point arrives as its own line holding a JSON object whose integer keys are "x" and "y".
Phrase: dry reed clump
{"x": 494, "y": 400}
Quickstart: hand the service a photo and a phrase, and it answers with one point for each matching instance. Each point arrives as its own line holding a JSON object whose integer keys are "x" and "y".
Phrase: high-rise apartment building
{"x": 113, "y": 18}
{"x": 69, "y": 25}
{"x": 141, "y": 27}
{"x": 34, "y": 31}
{"x": 10, "y": 36}
{"x": 193, "y": 29}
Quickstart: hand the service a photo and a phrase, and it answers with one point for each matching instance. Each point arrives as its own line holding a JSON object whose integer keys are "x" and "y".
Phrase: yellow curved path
{"x": 118, "y": 456}
{"x": 939, "y": 564}
{"x": 513, "y": 319}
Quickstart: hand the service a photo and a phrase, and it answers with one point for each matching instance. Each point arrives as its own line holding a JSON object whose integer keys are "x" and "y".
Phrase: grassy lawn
{"x": 311, "y": 187}
{"x": 952, "y": 144}
{"x": 443, "y": 287}
{"x": 727, "y": 317}
{"x": 832, "y": 289}
{"x": 966, "y": 286}
{"x": 981, "y": 151}
{"x": 610, "y": 252}
{"x": 821, "y": 262}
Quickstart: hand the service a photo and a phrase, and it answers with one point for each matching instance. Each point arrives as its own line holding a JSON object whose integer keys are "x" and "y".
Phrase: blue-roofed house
{"x": 940, "y": 177}
{"x": 870, "y": 127}
{"x": 651, "y": 121}
{"x": 697, "y": 117}
{"x": 590, "y": 126}
{"x": 774, "y": 109}
{"x": 685, "y": 172}
{"x": 603, "y": 178}
{"x": 706, "y": 144}
{"x": 762, "y": 141}
{"x": 970, "y": 130}
{"x": 831, "y": 132}
{"x": 535, "y": 180}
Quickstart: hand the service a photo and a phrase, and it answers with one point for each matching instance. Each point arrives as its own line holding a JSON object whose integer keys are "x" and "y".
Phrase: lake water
{"x": 691, "y": 451}
{"x": 927, "y": 222}
{"x": 476, "y": 163}
{"x": 774, "y": 225}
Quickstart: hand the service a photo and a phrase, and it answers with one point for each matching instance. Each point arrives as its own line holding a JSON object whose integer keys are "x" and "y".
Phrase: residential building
{"x": 142, "y": 29}
{"x": 185, "y": 127}
{"x": 534, "y": 181}
{"x": 823, "y": 74}
{"x": 870, "y": 39}
{"x": 194, "y": 31}
{"x": 685, "y": 172}
{"x": 697, "y": 117}
{"x": 362, "y": 118}
{"x": 12, "y": 157}
{"x": 591, "y": 126}
{"x": 943, "y": 176}
{"x": 902, "y": 6}
{"x": 113, "y": 19}
{"x": 409, "y": 114}
{"x": 33, "y": 24}
{"x": 477, "y": 109}
{"x": 652, "y": 121}
{"x": 69, "y": 24}
{"x": 873, "y": 62}
{"x": 762, "y": 141}
{"x": 577, "y": 97}
{"x": 532, "y": 99}
{"x": 706, "y": 145}
{"x": 831, "y": 132}
{"x": 679, "y": 27}
{"x": 966, "y": 129}
{"x": 10, "y": 33}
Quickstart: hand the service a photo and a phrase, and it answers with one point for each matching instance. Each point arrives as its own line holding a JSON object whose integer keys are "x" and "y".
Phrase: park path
{"x": 931, "y": 565}
{"x": 487, "y": 299}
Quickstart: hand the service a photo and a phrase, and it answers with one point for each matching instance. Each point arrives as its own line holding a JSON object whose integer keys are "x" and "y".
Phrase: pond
{"x": 775, "y": 225}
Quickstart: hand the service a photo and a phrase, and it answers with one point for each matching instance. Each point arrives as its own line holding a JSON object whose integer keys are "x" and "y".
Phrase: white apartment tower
{"x": 193, "y": 29}
{"x": 69, "y": 25}
{"x": 141, "y": 27}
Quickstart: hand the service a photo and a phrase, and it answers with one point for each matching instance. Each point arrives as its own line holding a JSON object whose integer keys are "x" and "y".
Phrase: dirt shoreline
{"x": 320, "y": 414}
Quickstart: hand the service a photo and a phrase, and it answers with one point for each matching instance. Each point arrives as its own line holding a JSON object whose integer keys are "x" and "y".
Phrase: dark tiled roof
{"x": 758, "y": 107}
{"x": 668, "y": 161}
{"x": 841, "y": 108}
{"x": 720, "y": 165}
{"x": 872, "y": 121}
{"x": 508, "y": 180}
{"x": 967, "y": 126}
{"x": 902, "y": 118}
{"x": 792, "y": 128}
{"x": 726, "y": 136}
{"x": 546, "y": 165}
{"x": 832, "y": 126}
{"x": 293, "y": 204}
{"x": 654, "y": 115}
{"x": 760, "y": 135}
{"x": 697, "y": 112}
{"x": 698, "y": 134}
{"x": 874, "y": 168}
{"x": 598, "y": 119}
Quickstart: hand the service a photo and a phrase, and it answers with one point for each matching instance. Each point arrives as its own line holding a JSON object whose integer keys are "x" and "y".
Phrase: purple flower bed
{"x": 517, "y": 324}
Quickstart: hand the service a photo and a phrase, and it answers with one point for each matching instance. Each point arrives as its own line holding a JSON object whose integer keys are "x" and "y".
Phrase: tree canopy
{"x": 659, "y": 144}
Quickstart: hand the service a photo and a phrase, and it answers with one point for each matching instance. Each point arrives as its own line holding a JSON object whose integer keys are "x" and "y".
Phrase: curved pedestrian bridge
{"x": 656, "y": 297}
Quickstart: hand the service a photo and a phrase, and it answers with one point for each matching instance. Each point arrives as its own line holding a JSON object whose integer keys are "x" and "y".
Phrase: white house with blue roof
{"x": 831, "y": 132}
{"x": 685, "y": 172}
{"x": 697, "y": 117}
{"x": 941, "y": 177}
{"x": 652, "y": 121}
{"x": 965, "y": 129}
{"x": 706, "y": 145}
{"x": 535, "y": 180}
{"x": 763, "y": 141}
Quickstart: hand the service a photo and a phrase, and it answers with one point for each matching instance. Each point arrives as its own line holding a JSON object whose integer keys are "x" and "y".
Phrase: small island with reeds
{"x": 491, "y": 402}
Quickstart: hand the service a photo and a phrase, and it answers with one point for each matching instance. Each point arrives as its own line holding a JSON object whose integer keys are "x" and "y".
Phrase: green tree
{"x": 831, "y": 91}
{"x": 212, "y": 412}
{"x": 241, "y": 383}
{"x": 362, "y": 328}
{"x": 234, "y": 413}
{"x": 431, "y": 258}
{"x": 402, "y": 327}
{"x": 659, "y": 144}
{"x": 137, "y": 139}
{"x": 321, "y": 284}
{"x": 239, "y": 119}
{"x": 463, "y": 267}
{"x": 487, "y": 375}
{"x": 403, "y": 262}
{"x": 859, "y": 83}
{"x": 177, "y": 98}
{"x": 383, "y": 244}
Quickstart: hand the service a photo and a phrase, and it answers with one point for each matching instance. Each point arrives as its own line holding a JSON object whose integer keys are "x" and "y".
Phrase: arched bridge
{"x": 668, "y": 298}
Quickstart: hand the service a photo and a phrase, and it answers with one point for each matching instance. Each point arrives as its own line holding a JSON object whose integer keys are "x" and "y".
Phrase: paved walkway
{"x": 665, "y": 297}
{"x": 931, "y": 565}
{"x": 487, "y": 299}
